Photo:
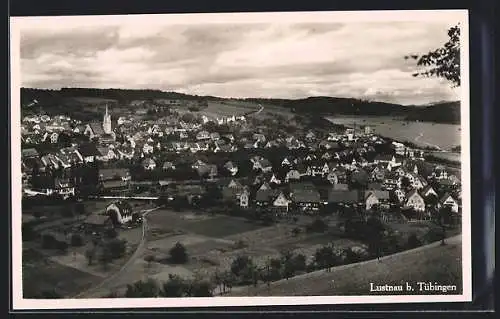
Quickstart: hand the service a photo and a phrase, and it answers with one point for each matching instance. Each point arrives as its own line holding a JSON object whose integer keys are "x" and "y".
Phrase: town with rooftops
{"x": 229, "y": 193}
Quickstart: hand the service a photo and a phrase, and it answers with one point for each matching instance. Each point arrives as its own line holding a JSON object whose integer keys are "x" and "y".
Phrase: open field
{"x": 433, "y": 263}
{"x": 42, "y": 274}
{"x": 444, "y": 136}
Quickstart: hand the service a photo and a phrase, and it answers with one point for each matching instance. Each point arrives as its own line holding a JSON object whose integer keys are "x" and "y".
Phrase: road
{"x": 105, "y": 286}
{"x": 349, "y": 277}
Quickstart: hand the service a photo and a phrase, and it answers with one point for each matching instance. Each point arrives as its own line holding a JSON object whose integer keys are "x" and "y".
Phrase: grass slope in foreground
{"x": 434, "y": 263}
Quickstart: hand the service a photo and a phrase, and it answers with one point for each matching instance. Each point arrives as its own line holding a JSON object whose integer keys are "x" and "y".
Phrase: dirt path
{"x": 104, "y": 287}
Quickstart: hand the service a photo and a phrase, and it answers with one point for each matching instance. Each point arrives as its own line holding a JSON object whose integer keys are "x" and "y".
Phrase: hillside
{"x": 444, "y": 112}
{"x": 68, "y": 100}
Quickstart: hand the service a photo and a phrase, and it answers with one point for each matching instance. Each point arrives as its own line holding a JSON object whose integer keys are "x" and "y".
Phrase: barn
{"x": 119, "y": 212}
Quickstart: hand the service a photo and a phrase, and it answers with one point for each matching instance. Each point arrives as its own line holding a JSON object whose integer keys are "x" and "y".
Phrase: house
{"x": 440, "y": 172}
{"x": 292, "y": 174}
{"x": 305, "y": 196}
{"x": 375, "y": 197}
{"x": 274, "y": 180}
{"x": 264, "y": 196}
{"x": 428, "y": 191}
{"x": 148, "y": 164}
{"x": 88, "y": 152}
{"x": 54, "y": 137}
{"x": 94, "y": 129}
{"x": 332, "y": 177}
{"x": 168, "y": 166}
{"x": 286, "y": 162}
{"x": 281, "y": 202}
{"x": 119, "y": 212}
{"x": 310, "y": 136}
{"x": 340, "y": 187}
{"x": 448, "y": 201}
{"x": 105, "y": 154}
{"x": 343, "y": 196}
{"x": 203, "y": 135}
{"x": 244, "y": 198}
{"x": 64, "y": 187}
{"x": 260, "y": 163}
{"x": 110, "y": 174}
{"x": 231, "y": 168}
{"x": 415, "y": 201}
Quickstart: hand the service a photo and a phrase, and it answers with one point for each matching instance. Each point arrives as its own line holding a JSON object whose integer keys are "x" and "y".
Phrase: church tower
{"x": 106, "y": 125}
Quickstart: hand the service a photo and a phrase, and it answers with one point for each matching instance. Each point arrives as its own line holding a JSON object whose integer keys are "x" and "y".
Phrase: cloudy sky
{"x": 281, "y": 60}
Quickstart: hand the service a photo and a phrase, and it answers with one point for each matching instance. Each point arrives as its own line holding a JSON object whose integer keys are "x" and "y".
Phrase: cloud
{"x": 289, "y": 60}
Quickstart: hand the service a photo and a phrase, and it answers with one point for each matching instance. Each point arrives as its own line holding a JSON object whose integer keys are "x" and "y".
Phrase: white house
{"x": 119, "y": 212}
{"x": 449, "y": 201}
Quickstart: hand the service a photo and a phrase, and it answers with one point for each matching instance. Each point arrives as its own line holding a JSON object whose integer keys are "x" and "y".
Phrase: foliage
{"x": 178, "y": 254}
{"x": 325, "y": 257}
{"x": 174, "y": 287}
{"x": 143, "y": 289}
{"x": 240, "y": 264}
{"x": 76, "y": 240}
{"x": 414, "y": 241}
{"x": 318, "y": 226}
{"x": 443, "y": 62}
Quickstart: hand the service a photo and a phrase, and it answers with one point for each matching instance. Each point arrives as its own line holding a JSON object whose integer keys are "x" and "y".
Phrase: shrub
{"x": 178, "y": 254}
{"x": 76, "y": 240}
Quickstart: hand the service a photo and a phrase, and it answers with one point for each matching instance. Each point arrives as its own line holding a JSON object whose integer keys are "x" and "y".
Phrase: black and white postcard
{"x": 237, "y": 159}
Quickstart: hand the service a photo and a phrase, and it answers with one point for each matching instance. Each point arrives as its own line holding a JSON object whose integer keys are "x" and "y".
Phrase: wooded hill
{"x": 445, "y": 112}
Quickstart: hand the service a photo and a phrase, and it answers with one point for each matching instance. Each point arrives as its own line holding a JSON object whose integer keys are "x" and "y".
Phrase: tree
{"x": 48, "y": 241}
{"x": 174, "y": 287}
{"x": 105, "y": 257}
{"x": 239, "y": 264}
{"x": 375, "y": 233}
{"x": 325, "y": 257}
{"x": 76, "y": 240}
{"x": 443, "y": 62}
{"x": 442, "y": 218}
{"x": 178, "y": 254}
{"x": 116, "y": 247}
{"x": 143, "y": 289}
{"x": 201, "y": 288}
{"x": 318, "y": 225}
{"x": 90, "y": 255}
{"x": 299, "y": 262}
{"x": 414, "y": 241}
{"x": 111, "y": 233}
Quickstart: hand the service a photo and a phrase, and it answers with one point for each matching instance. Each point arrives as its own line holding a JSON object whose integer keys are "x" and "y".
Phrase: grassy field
{"x": 441, "y": 264}
{"x": 41, "y": 274}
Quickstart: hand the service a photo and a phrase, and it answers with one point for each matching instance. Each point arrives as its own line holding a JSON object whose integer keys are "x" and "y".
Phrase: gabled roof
{"x": 343, "y": 196}
{"x": 341, "y": 187}
{"x": 96, "y": 128}
{"x": 29, "y": 152}
{"x": 113, "y": 173}
{"x": 381, "y": 195}
{"x": 445, "y": 197}
{"x": 265, "y": 195}
{"x": 306, "y": 196}
{"x": 88, "y": 149}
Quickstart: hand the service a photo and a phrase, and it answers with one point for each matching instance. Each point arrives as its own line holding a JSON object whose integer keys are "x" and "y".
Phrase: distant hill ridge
{"x": 442, "y": 112}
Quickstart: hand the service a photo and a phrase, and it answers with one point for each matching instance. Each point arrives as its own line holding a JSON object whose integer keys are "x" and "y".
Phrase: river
{"x": 441, "y": 136}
